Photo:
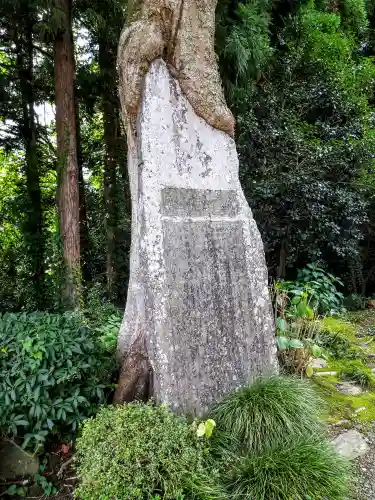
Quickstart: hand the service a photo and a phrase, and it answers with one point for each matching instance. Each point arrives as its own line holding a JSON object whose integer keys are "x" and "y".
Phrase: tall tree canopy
{"x": 299, "y": 78}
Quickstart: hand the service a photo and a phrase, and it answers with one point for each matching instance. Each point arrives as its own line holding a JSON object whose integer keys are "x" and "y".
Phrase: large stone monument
{"x": 198, "y": 320}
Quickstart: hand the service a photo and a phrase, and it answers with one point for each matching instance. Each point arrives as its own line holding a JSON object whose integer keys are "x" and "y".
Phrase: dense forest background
{"x": 300, "y": 79}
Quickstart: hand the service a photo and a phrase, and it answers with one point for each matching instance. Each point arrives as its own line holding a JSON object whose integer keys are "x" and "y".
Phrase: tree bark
{"x": 68, "y": 172}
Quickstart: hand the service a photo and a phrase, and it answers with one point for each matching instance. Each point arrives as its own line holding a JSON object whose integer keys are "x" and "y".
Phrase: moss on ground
{"x": 352, "y": 344}
{"x": 344, "y": 406}
{"x": 340, "y": 327}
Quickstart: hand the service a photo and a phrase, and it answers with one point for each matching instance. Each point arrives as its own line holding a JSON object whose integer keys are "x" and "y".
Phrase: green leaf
{"x": 201, "y": 429}
{"x": 295, "y": 344}
{"x": 282, "y": 342}
{"x": 281, "y": 325}
{"x": 24, "y": 423}
{"x": 209, "y": 427}
{"x": 309, "y": 371}
{"x": 316, "y": 351}
{"x": 12, "y": 490}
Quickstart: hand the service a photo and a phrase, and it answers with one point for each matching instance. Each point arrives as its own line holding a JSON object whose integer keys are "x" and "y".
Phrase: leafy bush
{"x": 98, "y": 309}
{"x": 322, "y": 289}
{"x": 270, "y": 444}
{"x": 52, "y": 374}
{"x": 138, "y": 451}
{"x": 296, "y": 327}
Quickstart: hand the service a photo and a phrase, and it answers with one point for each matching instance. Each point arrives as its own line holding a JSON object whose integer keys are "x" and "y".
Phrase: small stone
{"x": 351, "y": 444}
{"x": 327, "y": 374}
{"x": 349, "y": 388}
{"x": 360, "y": 410}
{"x": 340, "y": 423}
{"x": 15, "y": 462}
{"x": 318, "y": 363}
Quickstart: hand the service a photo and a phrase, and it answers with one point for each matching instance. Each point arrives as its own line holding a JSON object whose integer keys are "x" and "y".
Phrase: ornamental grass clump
{"x": 270, "y": 412}
{"x": 270, "y": 444}
{"x": 305, "y": 469}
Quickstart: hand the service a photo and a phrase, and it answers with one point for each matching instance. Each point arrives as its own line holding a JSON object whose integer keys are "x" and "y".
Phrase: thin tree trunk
{"x": 33, "y": 229}
{"x": 83, "y": 225}
{"x": 68, "y": 172}
{"x": 110, "y": 106}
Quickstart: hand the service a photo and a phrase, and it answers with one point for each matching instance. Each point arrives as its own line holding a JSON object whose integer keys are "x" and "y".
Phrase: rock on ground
{"x": 351, "y": 444}
{"x": 349, "y": 388}
{"x": 15, "y": 462}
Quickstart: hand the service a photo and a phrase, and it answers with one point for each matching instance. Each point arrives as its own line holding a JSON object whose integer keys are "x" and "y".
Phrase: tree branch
{"x": 43, "y": 52}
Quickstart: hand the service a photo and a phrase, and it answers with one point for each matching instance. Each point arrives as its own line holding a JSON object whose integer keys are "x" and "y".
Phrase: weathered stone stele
{"x": 198, "y": 313}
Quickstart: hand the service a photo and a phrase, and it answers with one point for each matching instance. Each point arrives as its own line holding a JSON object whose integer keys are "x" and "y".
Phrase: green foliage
{"x": 247, "y": 47}
{"x": 104, "y": 318}
{"x": 304, "y": 468}
{"x": 269, "y": 413}
{"x": 138, "y": 451}
{"x": 338, "y": 337}
{"x": 354, "y": 17}
{"x": 270, "y": 443}
{"x": 315, "y": 291}
{"x": 322, "y": 289}
{"x": 47, "y": 486}
{"x": 206, "y": 428}
{"x": 296, "y": 306}
{"x": 357, "y": 371}
{"x": 354, "y": 302}
{"x": 305, "y": 140}
{"x": 52, "y": 375}
{"x": 338, "y": 326}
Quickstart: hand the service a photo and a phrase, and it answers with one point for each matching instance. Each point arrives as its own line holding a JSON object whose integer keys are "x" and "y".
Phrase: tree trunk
{"x": 68, "y": 174}
{"x": 33, "y": 229}
{"x": 83, "y": 225}
{"x": 112, "y": 133}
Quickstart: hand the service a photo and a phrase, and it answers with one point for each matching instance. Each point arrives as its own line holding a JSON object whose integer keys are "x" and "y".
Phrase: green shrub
{"x": 270, "y": 444}
{"x": 269, "y": 412}
{"x": 304, "y": 468}
{"x": 98, "y": 310}
{"x": 138, "y": 451}
{"x": 52, "y": 374}
{"x": 322, "y": 289}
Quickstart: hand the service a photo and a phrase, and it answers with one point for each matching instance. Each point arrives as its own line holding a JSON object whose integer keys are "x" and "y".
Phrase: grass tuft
{"x": 270, "y": 444}
{"x": 268, "y": 413}
{"x": 307, "y": 468}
